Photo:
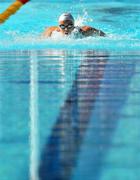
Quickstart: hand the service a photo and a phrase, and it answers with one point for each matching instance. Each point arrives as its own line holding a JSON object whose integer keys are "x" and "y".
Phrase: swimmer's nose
{"x": 66, "y": 28}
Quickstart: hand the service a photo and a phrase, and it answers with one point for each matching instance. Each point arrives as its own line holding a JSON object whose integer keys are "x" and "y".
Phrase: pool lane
{"x": 90, "y": 137}
{"x": 88, "y": 114}
{"x": 110, "y": 146}
{"x": 60, "y": 153}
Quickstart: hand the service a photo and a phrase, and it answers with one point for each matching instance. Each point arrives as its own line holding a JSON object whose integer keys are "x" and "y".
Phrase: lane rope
{"x": 12, "y": 9}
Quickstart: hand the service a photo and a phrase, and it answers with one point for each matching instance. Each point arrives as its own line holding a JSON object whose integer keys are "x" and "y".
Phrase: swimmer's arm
{"x": 90, "y": 31}
{"x": 47, "y": 33}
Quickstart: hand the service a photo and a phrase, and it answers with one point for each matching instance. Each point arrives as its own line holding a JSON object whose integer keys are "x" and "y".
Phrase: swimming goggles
{"x": 69, "y": 26}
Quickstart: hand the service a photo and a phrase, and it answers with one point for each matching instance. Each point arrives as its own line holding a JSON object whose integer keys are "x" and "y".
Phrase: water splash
{"x": 118, "y": 39}
{"x": 83, "y": 19}
{"x": 34, "y": 141}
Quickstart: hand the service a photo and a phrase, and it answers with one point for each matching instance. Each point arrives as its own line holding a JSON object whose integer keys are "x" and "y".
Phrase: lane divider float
{"x": 12, "y": 9}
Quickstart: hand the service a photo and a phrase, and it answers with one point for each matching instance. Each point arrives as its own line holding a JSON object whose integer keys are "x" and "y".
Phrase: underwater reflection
{"x": 61, "y": 149}
{"x": 83, "y": 133}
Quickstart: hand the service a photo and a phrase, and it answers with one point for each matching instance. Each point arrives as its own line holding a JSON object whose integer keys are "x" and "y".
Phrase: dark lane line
{"x": 61, "y": 150}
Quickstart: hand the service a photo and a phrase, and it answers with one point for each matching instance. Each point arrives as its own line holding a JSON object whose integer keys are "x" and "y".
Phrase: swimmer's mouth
{"x": 66, "y": 33}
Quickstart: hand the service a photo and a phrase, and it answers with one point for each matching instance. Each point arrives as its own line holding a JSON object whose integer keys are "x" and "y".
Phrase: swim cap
{"x": 65, "y": 17}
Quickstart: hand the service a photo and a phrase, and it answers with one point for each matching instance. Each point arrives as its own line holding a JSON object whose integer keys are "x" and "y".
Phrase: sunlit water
{"x": 69, "y": 108}
{"x": 120, "y": 21}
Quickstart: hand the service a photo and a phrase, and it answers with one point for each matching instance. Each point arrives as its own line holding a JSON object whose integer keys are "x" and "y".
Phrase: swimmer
{"x": 66, "y": 27}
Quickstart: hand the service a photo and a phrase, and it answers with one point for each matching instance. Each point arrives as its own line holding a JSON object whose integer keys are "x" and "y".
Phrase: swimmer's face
{"x": 66, "y": 27}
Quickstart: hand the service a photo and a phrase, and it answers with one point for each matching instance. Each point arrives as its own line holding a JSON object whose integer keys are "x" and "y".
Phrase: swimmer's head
{"x": 66, "y": 23}
{"x": 66, "y": 16}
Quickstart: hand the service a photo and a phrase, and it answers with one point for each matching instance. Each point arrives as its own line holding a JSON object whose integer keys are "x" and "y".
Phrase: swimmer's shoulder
{"x": 90, "y": 31}
{"x": 48, "y": 32}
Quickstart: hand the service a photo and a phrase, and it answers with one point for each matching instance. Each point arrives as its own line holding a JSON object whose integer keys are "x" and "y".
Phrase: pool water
{"x": 120, "y": 21}
{"x": 69, "y": 108}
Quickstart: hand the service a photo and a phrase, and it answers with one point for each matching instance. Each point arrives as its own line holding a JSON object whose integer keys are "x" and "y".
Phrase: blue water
{"x": 119, "y": 20}
{"x": 69, "y": 108}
